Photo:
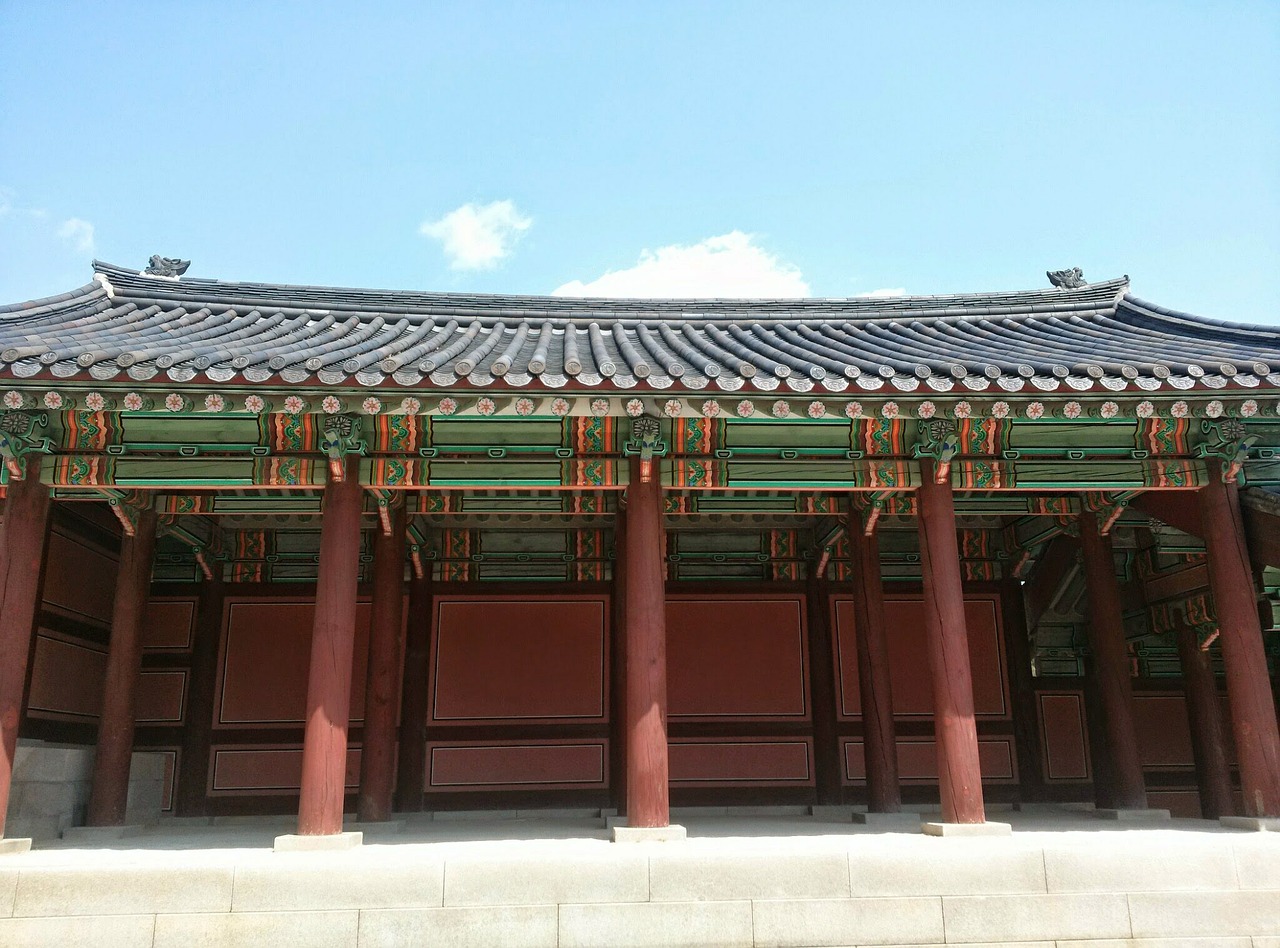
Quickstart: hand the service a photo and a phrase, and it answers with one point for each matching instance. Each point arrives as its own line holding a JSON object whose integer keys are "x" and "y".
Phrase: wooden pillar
{"x": 822, "y": 689}
{"x": 324, "y": 749}
{"x": 411, "y": 774}
{"x": 109, "y": 795}
{"x": 618, "y": 668}
{"x": 1253, "y": 709}
{"x": 24, "y": 534}
{"x": 1110, "y": 666}
{"x": 648, "y": 793}
{"x": 1208, "y": 731}
{"x": 378, "y": 752}
{"x": 1026, "y": 733}
{"x": 191, "y": 798}
{"x": 875, "y": 685}
{"x": 955, "y": 731}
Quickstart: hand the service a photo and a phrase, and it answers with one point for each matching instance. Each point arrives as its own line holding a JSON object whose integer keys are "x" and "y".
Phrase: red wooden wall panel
{"x": 161, "y": 696}
{"x": 918, "y": 760}
{"x": 271, "y": 770}
{"x": 499, "y": 659}
{"x": 1064, "y": 736}
{"x": 265, "y": 660}
{"x": 1164, "y": 733}
{"x": 742, "y": 658}
{"x": 79, "y": 579}
{"x": 908, "y": 658}
{"x": 66, "y": 678}
{"x": 749, "y": 761}
{"x": 166, "y": 624}
{"x": 549, "y": 764}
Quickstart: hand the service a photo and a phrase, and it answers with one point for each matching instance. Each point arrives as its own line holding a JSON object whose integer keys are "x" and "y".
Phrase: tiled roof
{"x": 128, "y": 325}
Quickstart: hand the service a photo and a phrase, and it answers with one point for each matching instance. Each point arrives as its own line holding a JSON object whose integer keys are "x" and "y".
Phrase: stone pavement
{"x": 553, "y": 880}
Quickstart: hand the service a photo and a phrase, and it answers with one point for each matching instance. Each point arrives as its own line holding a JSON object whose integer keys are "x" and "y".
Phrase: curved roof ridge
{"x": 509, "y": 305}
{"x": 1166, "y": 314}
{"x": 91, "y": 289}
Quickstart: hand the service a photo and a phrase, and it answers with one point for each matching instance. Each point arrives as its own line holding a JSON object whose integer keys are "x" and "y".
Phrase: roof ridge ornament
{"x": 1071, "y": 279}
{"x": 170, "y": 267}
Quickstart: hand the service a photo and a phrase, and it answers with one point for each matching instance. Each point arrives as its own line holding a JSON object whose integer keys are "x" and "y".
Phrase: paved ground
{"x": 1061, "y": 878}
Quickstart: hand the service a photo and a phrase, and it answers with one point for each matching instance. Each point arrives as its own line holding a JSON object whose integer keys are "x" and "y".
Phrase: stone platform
{"x": 555, "y": 880}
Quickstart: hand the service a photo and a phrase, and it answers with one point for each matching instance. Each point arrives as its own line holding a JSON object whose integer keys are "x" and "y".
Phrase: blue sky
{"x": 715, "y": 148}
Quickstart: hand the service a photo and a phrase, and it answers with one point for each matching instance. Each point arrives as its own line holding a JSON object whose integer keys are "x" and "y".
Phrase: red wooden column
{"x": 1253, "y": 709}
{"x": 879, "y": 742}
{"x": 24, "y": 533}
{"x": 411, "y": 774}
{"x": 1208, "y": 731}
{"x": 956, "y": 733}
{"x": 1105, "y": 630}
{"x": 378, "y": 754}
{"x": 648, "y": 794}
{"x": 324, "y": 749}
{"x": 197, "y": 731}
{"x": 618, "y": 668}
{"x": 827, "y": 764}
{"x": 109, "y": 796}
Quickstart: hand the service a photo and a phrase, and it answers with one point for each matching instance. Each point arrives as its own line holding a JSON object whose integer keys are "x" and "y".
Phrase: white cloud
{"x": 730, "y": 265}
{"x": 477, "y": 236}
{"x": 882, "y": 294}
{"x": 77, "y": 233}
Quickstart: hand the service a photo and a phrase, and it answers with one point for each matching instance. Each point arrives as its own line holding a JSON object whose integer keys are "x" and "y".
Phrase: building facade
{"x": 336, "y": 550}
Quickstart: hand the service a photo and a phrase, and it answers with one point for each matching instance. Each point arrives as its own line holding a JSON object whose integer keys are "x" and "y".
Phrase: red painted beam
{"x": 324, "y": 748}
{"x": 1253, "y": 709}
{"x": 955, "y": 731}
{"x": 1177, "y": 508}
{"x": 109, "y": 796}
{"x": 378, "y": 754}
{"x": 24, "y": 535}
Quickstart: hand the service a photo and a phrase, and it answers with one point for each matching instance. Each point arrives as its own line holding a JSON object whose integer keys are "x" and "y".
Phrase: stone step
{"x": 1135, "y": 887}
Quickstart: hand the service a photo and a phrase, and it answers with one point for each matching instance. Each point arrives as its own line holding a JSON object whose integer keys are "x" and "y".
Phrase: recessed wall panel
{"x": 527, "y": 660}
{"x": 66, "y": 678}
{"x": 763, "y": 761}
{"x": 512, "y": 765}
{"x": 277, "y": 769}
{"x": 909, "y": 658}
{"x": 739, "y": 658}
{"x": 266, "y": 658}
{"x": 79, "y": 579}
{"x": 166, "y": 624}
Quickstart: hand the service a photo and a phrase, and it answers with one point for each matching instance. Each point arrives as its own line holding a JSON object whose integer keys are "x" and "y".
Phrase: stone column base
{"x": 1258, "y": 824}
{"x": 649, "y": 834}
{"x": 903, "y": 819}
{"x": 100, "y": 834}
{"x": 966, "y": 829}
{"x": 309, "y": 844}
{"x": 1125, "y": 816}
{"x": 14, "y": 845}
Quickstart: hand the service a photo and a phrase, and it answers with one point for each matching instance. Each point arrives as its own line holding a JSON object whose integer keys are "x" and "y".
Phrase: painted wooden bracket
{"x": 1108, "y": 507}
{"x": 127, "y": 506}
{"x": 341, "y": 437}
{"x": 1231, "y": 446}
{"x": 646, "y": 441}
{"x": 18, "y": 439}
{"x": 940, "y": 442}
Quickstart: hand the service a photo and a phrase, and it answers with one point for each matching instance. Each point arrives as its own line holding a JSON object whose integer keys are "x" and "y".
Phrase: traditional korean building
{"x": 341, "y": 549}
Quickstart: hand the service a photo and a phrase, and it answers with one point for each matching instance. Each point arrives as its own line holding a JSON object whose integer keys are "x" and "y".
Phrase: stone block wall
{"x": 51, "y": 785}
